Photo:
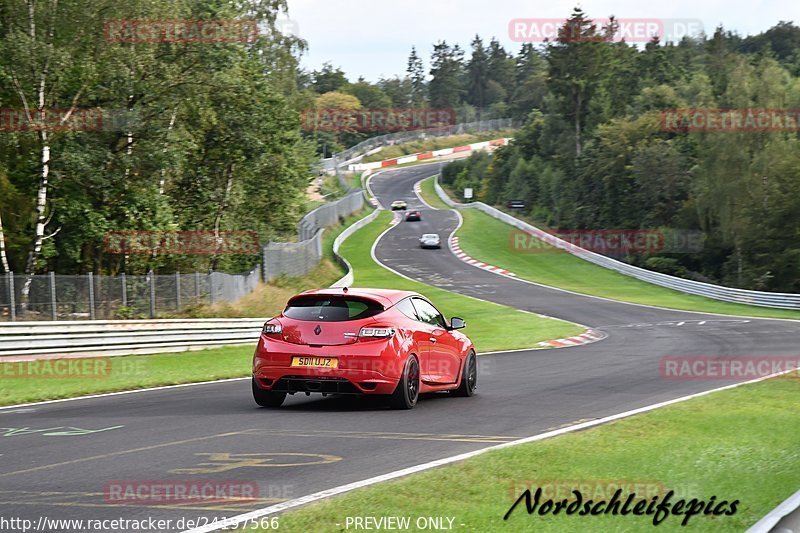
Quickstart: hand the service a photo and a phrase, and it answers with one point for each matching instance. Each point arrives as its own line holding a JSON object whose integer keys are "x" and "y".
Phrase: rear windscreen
{"x": 331, "y": 308}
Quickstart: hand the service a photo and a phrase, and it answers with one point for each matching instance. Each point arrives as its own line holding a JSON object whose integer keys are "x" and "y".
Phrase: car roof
{"x": 387, "y": 297}
{"x": 430, "y": 234}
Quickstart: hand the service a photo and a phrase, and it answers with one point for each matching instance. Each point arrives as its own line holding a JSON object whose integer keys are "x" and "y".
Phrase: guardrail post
{"x": 177, "y": 291}
{"x": 152, "y": 277}
{"x": 12, "y": 304}
{"x": 53, "y": 312}
{"x": 211, "y": 287}
{"x": 124, "y": 290}
{"x": 91, "y": 296}
{"x": 197, "y": 285}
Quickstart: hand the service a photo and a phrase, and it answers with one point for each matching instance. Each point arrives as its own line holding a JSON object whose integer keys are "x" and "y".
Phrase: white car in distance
{"x": 430, "y": 240}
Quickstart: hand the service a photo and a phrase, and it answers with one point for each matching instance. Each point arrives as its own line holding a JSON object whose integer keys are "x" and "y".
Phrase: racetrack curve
{"x": 185, "y": 433}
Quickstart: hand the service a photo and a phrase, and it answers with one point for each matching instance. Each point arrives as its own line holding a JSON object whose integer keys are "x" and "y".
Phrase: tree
{"x": 328, "y": 79}
{"x": 399, "y": 90}
{"x": 477, "y": 75}
{"x": 447, "y": 69}
{"x": 415, "y": 73}
{"x": 370, "y": 96}
{"x": 48, "y": 63}
{"x": 578, "y": 60}
{"x": 530, "y": 86}
{"x": 501, "y": 70}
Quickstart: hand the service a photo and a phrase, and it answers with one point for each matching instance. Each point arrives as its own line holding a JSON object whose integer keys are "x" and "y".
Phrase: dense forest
{"x": 595, "y": 153}
{"x": 193, "y": 133}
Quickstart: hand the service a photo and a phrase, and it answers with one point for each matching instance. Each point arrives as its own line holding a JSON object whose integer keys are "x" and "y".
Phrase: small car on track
{"x": 399, "y": 205}
{"x": 430, "y": 240}
{"x": 362, "y": 342}
{"x": 413, "y": 216}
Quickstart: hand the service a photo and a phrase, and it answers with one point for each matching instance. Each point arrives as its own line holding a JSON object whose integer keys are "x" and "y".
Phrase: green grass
{"x": 488, "y": 239}
{"x": 122, "y": 373}
{"x": 355, "y": 181}
{"x": 490, "y": 326}
{"x": 735, "y": 445}
{"x": 430, "y": 196}
{"x": 310, "y": 205}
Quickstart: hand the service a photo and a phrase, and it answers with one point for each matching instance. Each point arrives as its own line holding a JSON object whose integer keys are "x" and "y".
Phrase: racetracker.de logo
{"x": 615, "y": 242}
{"x": 376, "y": 120}
{"x": 703, "y": 367}
{"x": 75, "y": 368}
{"x": 52, "y": 119}
{"x": 559, "y": 489}
{"x": 193, "y": 242}
{"x": 747, "y": 120}
{"x": 630, "y": 30}
{"x": 154, "y": 492}
{"x": 180, "y": 31}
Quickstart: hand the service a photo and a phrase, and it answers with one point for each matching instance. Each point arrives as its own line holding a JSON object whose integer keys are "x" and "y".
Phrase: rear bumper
{"x": 292, "y": 382}
{"x": 364, "y": 368}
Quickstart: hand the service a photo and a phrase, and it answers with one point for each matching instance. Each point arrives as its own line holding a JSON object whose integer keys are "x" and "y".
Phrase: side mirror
{"x": 457, "y": 323}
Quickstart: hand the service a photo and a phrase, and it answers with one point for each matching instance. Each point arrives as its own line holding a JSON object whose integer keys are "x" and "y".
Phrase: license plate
{"x": 315, "y": 362}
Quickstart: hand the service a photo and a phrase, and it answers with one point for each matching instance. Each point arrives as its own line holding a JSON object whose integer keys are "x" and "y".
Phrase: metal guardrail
{"x": 27, "y": 340}
{"x": 329, "y": 214}
{"x": 778, "y": 300}
{"x": 373, "y": 144}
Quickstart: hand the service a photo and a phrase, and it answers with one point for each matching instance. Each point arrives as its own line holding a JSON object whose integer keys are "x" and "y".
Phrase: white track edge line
{"x": 118, "y": 393}
{"x": 297, "y": 502}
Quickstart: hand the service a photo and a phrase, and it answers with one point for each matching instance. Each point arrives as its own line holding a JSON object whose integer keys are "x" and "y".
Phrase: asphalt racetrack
{"x": 58, "y": 460}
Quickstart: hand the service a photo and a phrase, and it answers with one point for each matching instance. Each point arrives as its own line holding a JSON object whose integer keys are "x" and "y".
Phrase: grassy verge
{"x": 490, "y": 326}
{"x": 122, "y": 373}
{"x": 484, "y": 237}
{"x": 428, "y": 193}
{"x": 436, "y": 143}
{"x": 355, "y": 180}
{"x": 744, "y": 452}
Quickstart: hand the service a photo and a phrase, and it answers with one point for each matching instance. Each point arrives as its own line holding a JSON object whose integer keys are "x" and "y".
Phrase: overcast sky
{"x": 373, "y": 38}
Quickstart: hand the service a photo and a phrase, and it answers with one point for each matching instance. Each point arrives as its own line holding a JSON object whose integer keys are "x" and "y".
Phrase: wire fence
{"x": 329, "y": 214}
{"x": 89, "y": 297}
{"x": 300, "y": 258}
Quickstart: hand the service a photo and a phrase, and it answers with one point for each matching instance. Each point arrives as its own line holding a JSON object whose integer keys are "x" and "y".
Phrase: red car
{"x": 363, "y": 342}
{"x": 413, "y": 216}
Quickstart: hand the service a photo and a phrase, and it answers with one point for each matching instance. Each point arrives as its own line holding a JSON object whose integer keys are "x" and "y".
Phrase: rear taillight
{"x": 272, "y": 328}
{"x": 376, "y": 332}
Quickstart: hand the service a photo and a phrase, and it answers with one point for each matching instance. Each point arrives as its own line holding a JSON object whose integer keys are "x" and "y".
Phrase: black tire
{"x": 469, "y": 377}
{"x": 406, "y": 394}
{"x": 266, "y": 398}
